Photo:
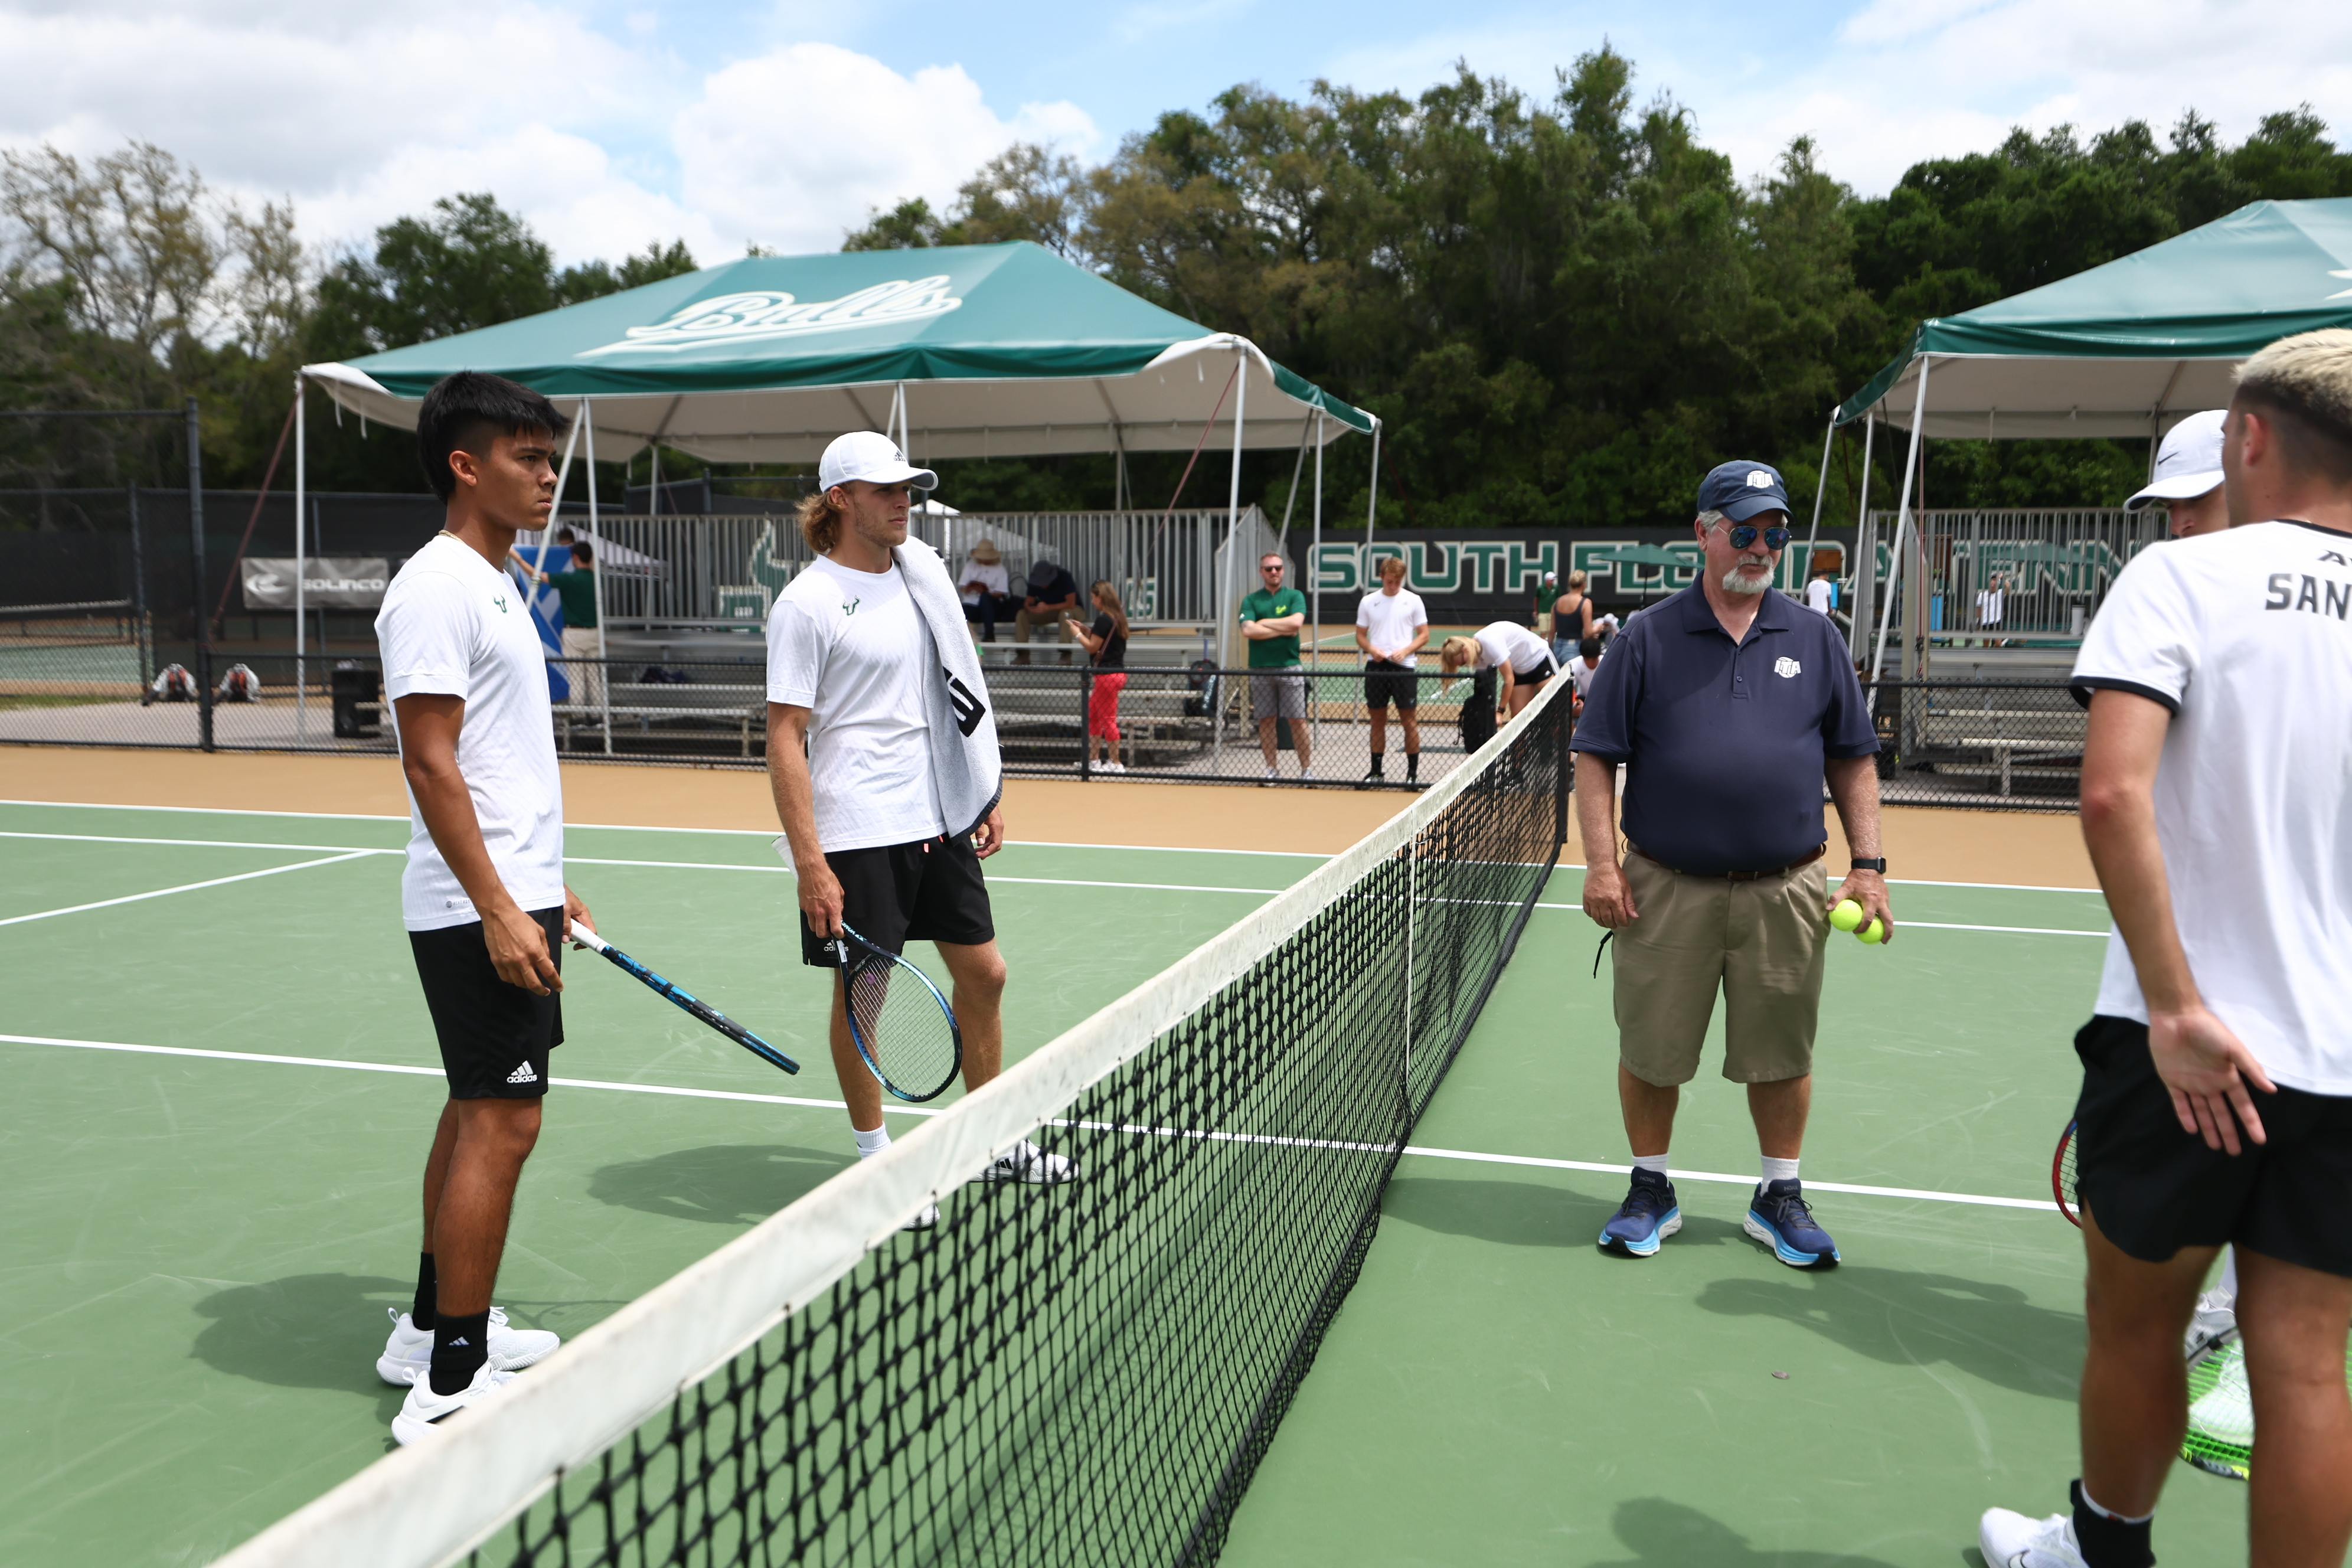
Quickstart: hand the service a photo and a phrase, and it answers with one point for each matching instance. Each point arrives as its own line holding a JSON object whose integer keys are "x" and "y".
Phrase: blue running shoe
{"x": 1778, "y": 1217}
{"x": 1648, "y": 1215}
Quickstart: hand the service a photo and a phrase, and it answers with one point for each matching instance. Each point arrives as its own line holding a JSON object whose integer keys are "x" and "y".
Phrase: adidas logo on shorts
{"x": 523, "y": 1075}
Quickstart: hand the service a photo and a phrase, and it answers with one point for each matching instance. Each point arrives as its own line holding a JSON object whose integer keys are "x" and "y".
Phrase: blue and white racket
{"x": 701, "y": 1010}
{"x": 903, "y": 1026}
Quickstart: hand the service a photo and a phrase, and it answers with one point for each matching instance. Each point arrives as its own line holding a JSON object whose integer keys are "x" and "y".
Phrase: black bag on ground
{"x": 1479, "y": 712}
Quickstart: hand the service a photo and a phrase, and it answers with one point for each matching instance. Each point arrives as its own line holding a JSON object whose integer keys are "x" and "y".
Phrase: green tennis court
{"x": 202, "y": 1244}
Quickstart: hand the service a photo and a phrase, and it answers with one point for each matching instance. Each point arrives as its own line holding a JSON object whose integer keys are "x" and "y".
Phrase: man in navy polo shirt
{"x": 1727, "y": 704}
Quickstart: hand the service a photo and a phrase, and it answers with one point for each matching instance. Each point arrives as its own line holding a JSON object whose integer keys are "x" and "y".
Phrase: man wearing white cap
{"x": 2188, "y": 477}
{"x": 883, "y": 756}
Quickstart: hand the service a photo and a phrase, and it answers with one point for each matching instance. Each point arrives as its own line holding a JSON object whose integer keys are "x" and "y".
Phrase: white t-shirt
{"x": 1390, "y": 620}
{"x": 1582, "y": 673}
{"x": 979, "y": 576}
{"x": 455, "y": 625}
{"x": 2247, "y": 636}
{"x": 851, "y": 648}
{"x": 1820, "y": 595}
{"x": 1502, "y": 642}
{"x": 1988, "y": 607}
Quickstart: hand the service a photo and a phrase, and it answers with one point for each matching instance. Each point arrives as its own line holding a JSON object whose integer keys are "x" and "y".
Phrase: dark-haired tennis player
{"x": 2217, "y": 1068}
{"x": 883, "y": 756}
{"x": 482, "y": 895}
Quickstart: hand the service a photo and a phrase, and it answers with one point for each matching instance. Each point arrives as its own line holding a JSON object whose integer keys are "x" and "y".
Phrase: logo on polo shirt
{"x": 1786, "y": 668}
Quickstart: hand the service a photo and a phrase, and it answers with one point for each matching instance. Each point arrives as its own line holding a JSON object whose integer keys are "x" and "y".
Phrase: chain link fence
{"x": 2014, "y": 745}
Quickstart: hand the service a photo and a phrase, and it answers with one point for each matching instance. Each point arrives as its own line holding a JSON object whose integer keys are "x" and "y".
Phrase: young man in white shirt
{"x": 463, "y": 667}
{"x": 849, "y": 757}
{"x": 1583, "y": 668}
{"x": 2217, "y": 1086}
{"x": 2188, "y": 477}
{"x": 1821, "y": 594}
{"x": 1392, "y": 627}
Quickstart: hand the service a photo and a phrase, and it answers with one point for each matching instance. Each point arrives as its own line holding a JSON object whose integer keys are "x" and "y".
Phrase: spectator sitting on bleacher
{"x": 1052, "y": 594}
{"x": 987, "y": 591}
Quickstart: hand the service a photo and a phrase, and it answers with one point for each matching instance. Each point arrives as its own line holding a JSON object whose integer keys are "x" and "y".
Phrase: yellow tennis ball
{"x": 1847, "y": 915}
{"x": 1873, "y": 934}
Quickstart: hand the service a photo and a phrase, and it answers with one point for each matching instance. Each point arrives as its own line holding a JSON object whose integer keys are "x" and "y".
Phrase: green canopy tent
{"x": 2127, "y": 348}
{"x": 955, "y": 350}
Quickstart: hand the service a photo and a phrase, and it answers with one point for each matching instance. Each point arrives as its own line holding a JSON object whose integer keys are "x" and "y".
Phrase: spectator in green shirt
{"x": 577, "y": 589}
{"x": 1271, "y": 619}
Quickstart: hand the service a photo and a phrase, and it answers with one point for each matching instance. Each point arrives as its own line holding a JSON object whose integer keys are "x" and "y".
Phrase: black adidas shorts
{"x": 494, "y": 1036}
{"x": 930, "y": 891}
{"x": 2156, "y": 1189}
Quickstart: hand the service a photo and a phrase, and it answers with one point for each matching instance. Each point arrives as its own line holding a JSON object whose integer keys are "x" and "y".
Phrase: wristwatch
{"x": 1878, "y": 865}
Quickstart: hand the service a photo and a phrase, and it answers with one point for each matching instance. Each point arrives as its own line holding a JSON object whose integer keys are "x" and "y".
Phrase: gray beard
{"x": 1733, "y": 582}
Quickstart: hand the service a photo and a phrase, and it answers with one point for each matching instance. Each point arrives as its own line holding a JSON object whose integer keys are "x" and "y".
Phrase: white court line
{"x": 188, "y": 886}
{"x": 1920, "y": 1193}
{"x": 200, "y": 843}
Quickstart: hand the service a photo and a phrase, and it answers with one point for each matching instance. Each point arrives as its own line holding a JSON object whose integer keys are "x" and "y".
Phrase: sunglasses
{"x": 1277, "y": 571}
{"x": 1743, "y": 534}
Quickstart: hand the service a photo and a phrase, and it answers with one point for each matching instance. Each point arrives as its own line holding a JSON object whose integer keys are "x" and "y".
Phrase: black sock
{"x": 2110, "y": 1543}
{"x": 1376, "y": 765}
{"x": 421, "y": 1314}
{"x": 1412, "y": 764}
{"x": 461, "y": 1343}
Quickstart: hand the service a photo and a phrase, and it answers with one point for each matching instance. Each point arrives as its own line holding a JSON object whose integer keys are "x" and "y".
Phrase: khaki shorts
{"x": 1760, "y": 941}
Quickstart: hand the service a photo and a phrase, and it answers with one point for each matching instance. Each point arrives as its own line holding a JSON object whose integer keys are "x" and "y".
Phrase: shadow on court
{"x": 723, "y": 1183}
{"x": 1527, "y": 1214}
{"x": 1988, "y": 1330}
{"x": 1663, "y": 1534}
{"x": 308, "y": 1331}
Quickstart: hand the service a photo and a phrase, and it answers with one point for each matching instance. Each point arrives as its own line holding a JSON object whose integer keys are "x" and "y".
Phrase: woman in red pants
{"x": 1106, "y": 640}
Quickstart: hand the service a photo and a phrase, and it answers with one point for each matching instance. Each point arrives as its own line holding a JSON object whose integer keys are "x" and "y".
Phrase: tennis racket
{"x": 701, "y": 1010}
{"x": 903, "y": 1026}
{"x": 2062, "y": 1179}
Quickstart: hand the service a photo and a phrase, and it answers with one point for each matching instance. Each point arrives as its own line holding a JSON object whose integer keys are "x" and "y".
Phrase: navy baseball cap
{"x": 1741, "y": 489}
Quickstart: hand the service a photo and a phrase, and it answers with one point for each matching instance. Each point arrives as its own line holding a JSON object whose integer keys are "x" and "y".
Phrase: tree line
{"x": 1565, "y": 306}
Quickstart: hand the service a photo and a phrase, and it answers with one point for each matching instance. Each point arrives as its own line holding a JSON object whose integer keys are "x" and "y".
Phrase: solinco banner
{"x": 329, "y": 582}
{"x": 1467, "y": 576}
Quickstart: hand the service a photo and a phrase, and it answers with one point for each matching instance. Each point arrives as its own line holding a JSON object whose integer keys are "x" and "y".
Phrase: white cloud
{"x": 605, "y": 143}
{"x": 798, "y": 145}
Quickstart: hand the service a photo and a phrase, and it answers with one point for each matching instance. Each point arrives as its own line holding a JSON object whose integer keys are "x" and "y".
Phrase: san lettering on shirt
{"x": 2246, "y": 636}
{"x": 851, "y": 648}
{"x": 1390, "y": 621}
{"x": 1725, "y": 743}
{"x": 453, "y": 625}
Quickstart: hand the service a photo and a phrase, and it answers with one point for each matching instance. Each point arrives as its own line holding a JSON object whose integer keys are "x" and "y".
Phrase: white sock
{"x": 871, "y": 1144}
{"x": 1653, "y": 1164}
{"x": 1779, "y": 1170}
{"x": 2089, "y": 1502}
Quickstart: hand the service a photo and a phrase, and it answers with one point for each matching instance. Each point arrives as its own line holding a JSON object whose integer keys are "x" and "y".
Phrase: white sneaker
{"x": 2215, "y": 1320}
{"x": 408, "y": 1353}
{"x": 1109, "y": 768}
{"x": 423, "y": 1407}
{"x": 2012, "y": 1541}
{"x": 1273, "y": 776}
{"x": 2225, "y": 1411}
{"x": 1024, "y": 1162}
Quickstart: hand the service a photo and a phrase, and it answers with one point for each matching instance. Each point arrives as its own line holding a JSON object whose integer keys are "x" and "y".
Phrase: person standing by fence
{"x": 1106, "y": 642}
{"x": 576, "y": 587}
{"x": 1392, "y": 627}
{"x": 1272, "y": 618}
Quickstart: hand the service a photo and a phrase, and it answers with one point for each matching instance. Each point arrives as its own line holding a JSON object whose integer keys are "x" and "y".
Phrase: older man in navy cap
{"x": 1727, "y": 704}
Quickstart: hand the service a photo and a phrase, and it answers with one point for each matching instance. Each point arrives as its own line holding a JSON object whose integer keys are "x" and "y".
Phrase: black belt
{"x": 1819, "y": 850}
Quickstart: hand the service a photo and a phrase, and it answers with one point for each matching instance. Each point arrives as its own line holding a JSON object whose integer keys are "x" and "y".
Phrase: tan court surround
{"x": 2037, "y": 849}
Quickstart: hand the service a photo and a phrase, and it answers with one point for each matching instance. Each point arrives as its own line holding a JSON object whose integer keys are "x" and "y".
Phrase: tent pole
{"x": 596, "y": 580}
{"x": 1372, "y": 507}
{"x": 653, "y": 484}
{"x": 1314, "y": 574}
{"x": 1233, "y": 488}
{"x": 302, "y": 484}
{"x": 1821, "y": 493}
{"x": 1902, "y": 527}
{"x": 1864, "y": 566}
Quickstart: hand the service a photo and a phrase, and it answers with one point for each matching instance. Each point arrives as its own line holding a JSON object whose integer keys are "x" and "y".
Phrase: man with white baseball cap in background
{"x": 2188, "y": 477}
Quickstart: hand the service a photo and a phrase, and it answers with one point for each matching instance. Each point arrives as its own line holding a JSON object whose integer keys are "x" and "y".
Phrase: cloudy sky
{"x": 610, "y": 125}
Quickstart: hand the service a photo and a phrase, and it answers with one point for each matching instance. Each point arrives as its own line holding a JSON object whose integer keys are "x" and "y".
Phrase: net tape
{"x": 1085, "y": 1373}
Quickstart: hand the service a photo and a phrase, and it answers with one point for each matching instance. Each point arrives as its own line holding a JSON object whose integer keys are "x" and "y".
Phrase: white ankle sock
{"x": 1779, "y": 1170}
{"x": 871, "y": 1144}
{"x": 1653, "y": 1164}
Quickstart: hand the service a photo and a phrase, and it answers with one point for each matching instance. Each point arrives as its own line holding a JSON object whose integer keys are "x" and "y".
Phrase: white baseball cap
{"x": 873, "y": 456}
{"x": 2188, "y": 463}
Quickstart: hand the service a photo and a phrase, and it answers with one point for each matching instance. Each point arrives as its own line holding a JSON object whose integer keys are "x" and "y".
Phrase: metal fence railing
{"x": 2010, "y": 745}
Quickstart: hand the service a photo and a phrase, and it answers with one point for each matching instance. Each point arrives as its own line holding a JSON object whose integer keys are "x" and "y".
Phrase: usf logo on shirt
{"x": 849, "y": 607}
